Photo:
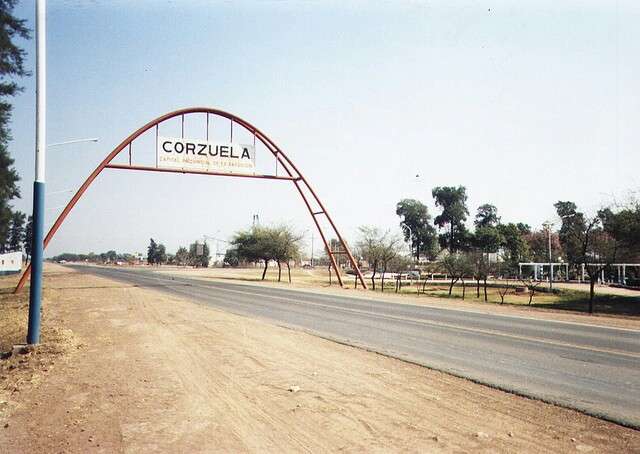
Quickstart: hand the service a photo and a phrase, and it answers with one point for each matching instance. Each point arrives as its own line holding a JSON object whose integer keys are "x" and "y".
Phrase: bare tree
{"x": 481, "y": 271}
{"x": 458, "y": 266}
{"x": 598, "y": 251}
{"x": 390, "y": 249}
{"x": 368, "y": 247}
{"x": 286, "y": 247}
{"x": 398, "y": 265}
{"x": 379, "y": 249}
{"x": 532, "y": 286}
{"x": 504, "y": 270}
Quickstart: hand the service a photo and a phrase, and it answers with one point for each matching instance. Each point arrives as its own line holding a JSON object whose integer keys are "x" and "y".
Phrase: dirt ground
{"x": 137, "y": 371}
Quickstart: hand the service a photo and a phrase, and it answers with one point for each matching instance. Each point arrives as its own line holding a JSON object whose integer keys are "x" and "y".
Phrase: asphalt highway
{"x": 589, "y": 368}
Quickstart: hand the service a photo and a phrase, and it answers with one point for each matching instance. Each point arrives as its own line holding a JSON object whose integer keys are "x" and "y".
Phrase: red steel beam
{"x": 196, "y": 172}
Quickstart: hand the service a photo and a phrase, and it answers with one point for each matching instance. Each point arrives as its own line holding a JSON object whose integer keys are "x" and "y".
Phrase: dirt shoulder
{"x": 155, "y": 373}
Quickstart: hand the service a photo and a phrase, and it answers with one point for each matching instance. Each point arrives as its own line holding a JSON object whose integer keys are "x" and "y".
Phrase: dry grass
{"x": 22, "y": 368}
{"x": 13, "y": 315}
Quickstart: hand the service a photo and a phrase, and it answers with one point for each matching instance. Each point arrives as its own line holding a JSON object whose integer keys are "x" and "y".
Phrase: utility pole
{"x": 35, "y": 290}
{"x": 311, "y": 249}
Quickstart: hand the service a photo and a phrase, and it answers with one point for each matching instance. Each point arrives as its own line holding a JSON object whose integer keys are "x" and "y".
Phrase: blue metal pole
{"x": 35, "y": 290}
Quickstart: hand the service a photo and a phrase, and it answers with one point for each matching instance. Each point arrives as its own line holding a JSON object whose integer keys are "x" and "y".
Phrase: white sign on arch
{"x": 204, "y": 156}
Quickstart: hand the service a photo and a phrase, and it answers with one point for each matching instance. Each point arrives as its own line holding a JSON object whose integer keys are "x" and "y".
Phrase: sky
{"x": 524, "y": 103}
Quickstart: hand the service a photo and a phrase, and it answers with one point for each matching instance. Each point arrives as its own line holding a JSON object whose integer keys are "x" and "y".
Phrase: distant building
{"x": 10, "y": 263}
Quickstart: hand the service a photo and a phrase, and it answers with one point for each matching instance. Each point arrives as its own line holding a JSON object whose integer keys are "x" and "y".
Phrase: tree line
{"x": 493, "y": 247}
{"x": 15, "y": 229}
{"x": 198, "y": 255}
{"x": 100, "y": 258}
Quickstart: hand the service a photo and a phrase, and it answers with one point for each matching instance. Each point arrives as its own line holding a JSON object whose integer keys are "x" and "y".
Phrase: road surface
{"x": 589, "y": 368}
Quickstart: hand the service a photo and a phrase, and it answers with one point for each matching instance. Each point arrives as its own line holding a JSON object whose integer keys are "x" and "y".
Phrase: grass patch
{"x": 562, "y": 299}
{"x": 572, "y": 300}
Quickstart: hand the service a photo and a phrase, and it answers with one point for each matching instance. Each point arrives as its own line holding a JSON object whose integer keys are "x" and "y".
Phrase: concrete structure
{"x": 538, "y": 268}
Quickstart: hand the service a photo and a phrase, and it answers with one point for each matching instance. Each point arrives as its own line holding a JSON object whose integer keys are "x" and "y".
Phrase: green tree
{"x": 161, "y": 255}
{"x": 253, "y": 246}
{"x": 487, "y": 216}
{"x": 624, "y": 226}
{"x": 488, "y": 239}
{"x": 182, "y": 256}
{"x": 152, "y": 252}
{"x": 514, "y": 246}
{"x": 128, "y": 258}
{"x": 231, "y": 257}
{"x": 28, "y": 237}
{"x": 453, "y": 201}
{"x": 572, "y": 230}
{"x": 11, "y": 65}
{"x": 199, "y": 254}
{"x": 419, "y": 231}
{"x": 16, "y": 231}
{"x": 280, "y": 244}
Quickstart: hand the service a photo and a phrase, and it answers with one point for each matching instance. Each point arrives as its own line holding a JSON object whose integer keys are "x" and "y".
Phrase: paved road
{"x": 589, "y": 368}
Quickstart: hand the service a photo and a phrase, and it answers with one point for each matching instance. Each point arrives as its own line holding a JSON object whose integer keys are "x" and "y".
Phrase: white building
{"x": 10, "y": 263}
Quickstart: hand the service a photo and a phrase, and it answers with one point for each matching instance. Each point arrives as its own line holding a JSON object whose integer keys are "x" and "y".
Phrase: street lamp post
{"x": 548, "y": 226}
{"x": 35, "y": 290}
{"x": 69, "y": 142}
{"x": 410, "y": 235}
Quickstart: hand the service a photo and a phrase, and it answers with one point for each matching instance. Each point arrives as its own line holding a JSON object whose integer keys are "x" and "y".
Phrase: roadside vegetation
{"x": 482, "y": 263}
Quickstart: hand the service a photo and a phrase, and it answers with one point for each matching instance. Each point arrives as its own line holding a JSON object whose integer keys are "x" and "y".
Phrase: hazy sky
{"x": 524, "y": 103}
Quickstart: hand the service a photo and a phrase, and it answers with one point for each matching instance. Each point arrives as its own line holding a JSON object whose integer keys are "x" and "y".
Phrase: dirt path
{"x": 154, "y": 373}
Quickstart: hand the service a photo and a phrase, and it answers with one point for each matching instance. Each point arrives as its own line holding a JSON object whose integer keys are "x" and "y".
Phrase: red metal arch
{"x": 291, "y": 171}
